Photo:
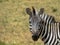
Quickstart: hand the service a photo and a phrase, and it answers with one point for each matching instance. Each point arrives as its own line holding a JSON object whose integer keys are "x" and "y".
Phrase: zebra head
{"x": 35, "y": 23}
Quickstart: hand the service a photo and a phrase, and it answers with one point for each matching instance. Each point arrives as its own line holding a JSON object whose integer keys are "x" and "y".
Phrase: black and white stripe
{"x": 51, "y": 34}
{"x": 46, "y": 17}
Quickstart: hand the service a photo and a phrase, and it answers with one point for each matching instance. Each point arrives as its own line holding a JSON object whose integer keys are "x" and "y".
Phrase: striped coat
{"x": 51, "y": 34}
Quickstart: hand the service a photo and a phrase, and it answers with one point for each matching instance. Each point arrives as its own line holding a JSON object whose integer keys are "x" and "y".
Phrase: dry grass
{"x": 14, "y": 26}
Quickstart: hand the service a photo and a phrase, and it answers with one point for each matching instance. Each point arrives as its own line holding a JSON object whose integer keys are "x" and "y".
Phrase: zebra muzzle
{"x": 35, "y": 37}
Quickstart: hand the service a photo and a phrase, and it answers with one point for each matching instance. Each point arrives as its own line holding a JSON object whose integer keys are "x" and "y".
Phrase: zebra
{"x": 49, "y": 33}
{"x": 48, "y": 19}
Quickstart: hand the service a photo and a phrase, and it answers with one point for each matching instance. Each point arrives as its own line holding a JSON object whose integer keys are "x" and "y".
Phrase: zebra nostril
{"x": 38, "y": 29}
{"x": 35, "y": 37}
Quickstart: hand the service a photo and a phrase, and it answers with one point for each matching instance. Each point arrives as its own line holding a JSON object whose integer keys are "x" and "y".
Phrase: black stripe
{"x": 50, "y": 18}
{"x": 51, "y": 40}
{"x": 49, "y": 35}
{"x": 59, "y": 32}
{"x": 44, "y": 33}
{"x": 54, "y": 41}
{"x": 42, "y": 16}
{"x": 53, "y": 20}
{"x": 47, "y": 17}
{"x": 40, "y": 32}
{"x": 59, "y": 28}
{"x": 52, "y": 35}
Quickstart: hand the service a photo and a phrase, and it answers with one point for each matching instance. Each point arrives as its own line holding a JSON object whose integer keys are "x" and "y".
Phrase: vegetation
{"x": 14, "y": 25}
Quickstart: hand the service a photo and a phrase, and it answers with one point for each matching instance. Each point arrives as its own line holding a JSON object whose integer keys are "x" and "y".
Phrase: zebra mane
{"x": 33, "y": 10}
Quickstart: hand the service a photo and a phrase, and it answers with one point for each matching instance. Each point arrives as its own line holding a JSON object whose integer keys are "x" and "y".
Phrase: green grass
{"x": 3, "y": 1}
{"x": 14, "y": 26}
{"x": 2, "y": 43}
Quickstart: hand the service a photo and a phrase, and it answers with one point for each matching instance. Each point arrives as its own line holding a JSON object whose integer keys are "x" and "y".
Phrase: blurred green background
{"x": 14, "y": 26}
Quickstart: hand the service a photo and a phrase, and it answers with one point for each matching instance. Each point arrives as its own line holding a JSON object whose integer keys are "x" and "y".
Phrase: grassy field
{"x": 14, "y": 26}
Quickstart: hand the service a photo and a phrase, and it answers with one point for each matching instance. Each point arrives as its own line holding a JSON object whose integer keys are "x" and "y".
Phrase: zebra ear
{"x": 28, "y": 11}
{"x": 34, "y": 12}
{"x": 41, "y": 11}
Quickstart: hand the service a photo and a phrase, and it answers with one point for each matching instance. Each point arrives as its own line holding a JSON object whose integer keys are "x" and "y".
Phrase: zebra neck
{"x": 49, "y": 34}
{"x": 45, "y": 33}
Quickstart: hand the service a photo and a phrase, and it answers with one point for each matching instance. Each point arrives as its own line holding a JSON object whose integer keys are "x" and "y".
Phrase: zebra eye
{"x": 29, "y": 21}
